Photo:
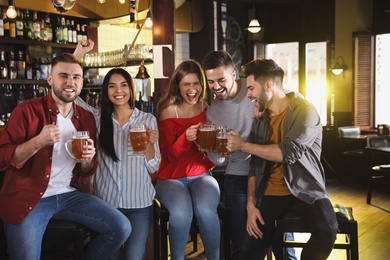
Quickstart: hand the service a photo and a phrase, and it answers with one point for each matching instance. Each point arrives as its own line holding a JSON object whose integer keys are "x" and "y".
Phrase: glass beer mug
{"x": 221, "y": 142}
{"x": 79, "y": 139}
{"x": 138, "y": 138}
{"x": 207, "y": 134}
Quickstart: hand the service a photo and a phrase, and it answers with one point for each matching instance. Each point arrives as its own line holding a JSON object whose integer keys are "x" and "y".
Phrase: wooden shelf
{"x": 42, "y": 43}
{"x": 23, "y": 81}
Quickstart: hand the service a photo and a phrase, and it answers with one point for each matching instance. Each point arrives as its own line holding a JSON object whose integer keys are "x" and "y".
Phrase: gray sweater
{"x": 235, "y": 114}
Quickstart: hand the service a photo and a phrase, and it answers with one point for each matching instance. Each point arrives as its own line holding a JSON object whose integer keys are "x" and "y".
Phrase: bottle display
{"x": 2, "y": 25}
{"x": 29, "y": 29}
{"x": 3, "y": 67}
{"x": 21, "y": 66}
{"x": 13, "y": 74}
{"x": 29, "y": 68}
{"x": 5, "y": 24}
{"x": 19, "y": 25}
{"x": 37, "y": 27}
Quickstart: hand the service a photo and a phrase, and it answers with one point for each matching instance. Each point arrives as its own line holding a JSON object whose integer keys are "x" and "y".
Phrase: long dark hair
{"x": 106, "y": 136}
{"x": 172, "y": 95}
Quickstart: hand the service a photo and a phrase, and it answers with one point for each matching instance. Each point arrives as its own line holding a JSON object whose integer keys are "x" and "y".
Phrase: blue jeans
{"x": 235, "y": 199}
{"x": 184, "y": 197}
{"x": 25, "y": 240}
{"x": 319, "y": 217}
{"x": 134, "y": 248}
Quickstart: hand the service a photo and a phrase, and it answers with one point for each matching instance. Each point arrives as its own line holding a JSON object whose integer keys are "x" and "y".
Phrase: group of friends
{"x": 275, "y": 145}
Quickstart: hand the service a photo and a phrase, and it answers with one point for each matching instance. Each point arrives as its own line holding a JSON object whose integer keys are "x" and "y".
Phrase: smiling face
{"x": 66, "y": 80}
{"x": 221, "y": 81}
{"x": 190, "y": 88}
{"x": 118, "y": 90}
{"x": 257, "y": 93}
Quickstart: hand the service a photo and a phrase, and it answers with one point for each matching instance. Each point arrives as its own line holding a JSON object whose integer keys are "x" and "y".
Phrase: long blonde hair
{"x": 172, "y": 95}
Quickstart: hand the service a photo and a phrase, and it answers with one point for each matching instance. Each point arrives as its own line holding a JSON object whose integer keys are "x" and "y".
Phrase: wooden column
{"x": 163, "y": 13}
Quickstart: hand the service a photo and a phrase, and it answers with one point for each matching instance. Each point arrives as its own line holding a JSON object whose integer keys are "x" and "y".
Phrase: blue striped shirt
{"x": 125, "y": 183}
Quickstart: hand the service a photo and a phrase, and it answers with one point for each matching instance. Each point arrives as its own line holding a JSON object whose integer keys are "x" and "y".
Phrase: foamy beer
{"x": 221, "y": 143}
{"x": 207, "y": 134}
{"x": 79, "y": 139}
{"x": 138, "y": 138}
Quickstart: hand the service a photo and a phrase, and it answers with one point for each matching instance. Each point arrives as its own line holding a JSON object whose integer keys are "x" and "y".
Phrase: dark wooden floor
{"x": 373, "y": 221}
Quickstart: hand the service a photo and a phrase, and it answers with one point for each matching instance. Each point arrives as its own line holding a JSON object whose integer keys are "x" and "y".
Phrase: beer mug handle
{"x": 67, "y": 150}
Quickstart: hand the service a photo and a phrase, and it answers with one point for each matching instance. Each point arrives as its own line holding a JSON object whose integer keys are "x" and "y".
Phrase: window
{"x": 382, "y": 79}
{"x": 316, "y": 90}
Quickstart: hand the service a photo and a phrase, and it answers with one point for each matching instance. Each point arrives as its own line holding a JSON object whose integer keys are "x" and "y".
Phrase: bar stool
{"x": 160, "y": 230}
{"x": 291, "y": 222}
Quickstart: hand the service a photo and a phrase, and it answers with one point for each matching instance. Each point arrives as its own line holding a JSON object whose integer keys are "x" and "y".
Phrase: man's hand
{"x": 49, "y": 135}
{"x": 192, "y": 132}
{"x": 235, "y": 142}
{"x": 83, "y": 47}
{"x": 254, "y": 216}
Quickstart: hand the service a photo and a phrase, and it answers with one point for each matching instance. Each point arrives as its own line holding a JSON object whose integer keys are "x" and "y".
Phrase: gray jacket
{"x": 301, "y": 149}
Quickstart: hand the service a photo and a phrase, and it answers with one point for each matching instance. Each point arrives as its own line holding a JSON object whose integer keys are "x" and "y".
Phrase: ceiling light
{"x": 254, "y": 26}
{"x": 149, "y": 21}
{"x": 11, "y": 12}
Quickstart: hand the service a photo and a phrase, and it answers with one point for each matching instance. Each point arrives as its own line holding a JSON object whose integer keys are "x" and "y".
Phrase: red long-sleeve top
{"x": 180, "y": 157}
{"x": 25, "y": 184}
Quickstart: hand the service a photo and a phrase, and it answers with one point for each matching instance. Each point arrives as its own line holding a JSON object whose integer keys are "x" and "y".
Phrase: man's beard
{"x": 59, "y": 94}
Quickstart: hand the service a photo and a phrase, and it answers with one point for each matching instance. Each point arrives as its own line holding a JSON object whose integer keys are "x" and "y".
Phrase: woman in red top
{"x": 185, "y": 185}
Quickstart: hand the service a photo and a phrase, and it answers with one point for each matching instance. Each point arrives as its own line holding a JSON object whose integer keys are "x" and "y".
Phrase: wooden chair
{"x": 291, "y": 222}
{"x": 378, "y": 163}
{"x": 160, "y": 230}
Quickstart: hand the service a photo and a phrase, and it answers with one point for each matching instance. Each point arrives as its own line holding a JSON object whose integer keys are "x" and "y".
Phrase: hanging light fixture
{"x": 254, "y": 26}
{"x": 101, "y": 1}
{"x": 11, "y": 12}
{"x": 149, "y": 21}
{"x": 338, "y": 68}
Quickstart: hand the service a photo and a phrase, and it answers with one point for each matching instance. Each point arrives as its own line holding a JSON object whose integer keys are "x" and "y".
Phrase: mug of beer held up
{"x": 79, "y": 139}
{"x": 138, "y": 138}
{"x": 207, "y": 134}
{"x": 221, "y": 143}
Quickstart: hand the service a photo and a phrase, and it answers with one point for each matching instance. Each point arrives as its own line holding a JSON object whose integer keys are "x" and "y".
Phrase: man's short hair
{"x": 263, "y": 70}
{"x": 66, "y": 58}
{"x": 215, "y": 59}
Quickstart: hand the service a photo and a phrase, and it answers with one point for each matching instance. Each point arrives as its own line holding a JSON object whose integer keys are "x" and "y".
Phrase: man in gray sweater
{"x": 232, "y": 109}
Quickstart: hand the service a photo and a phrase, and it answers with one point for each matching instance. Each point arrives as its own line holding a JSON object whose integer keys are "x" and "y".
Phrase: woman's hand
{"x": 192, "y": 132}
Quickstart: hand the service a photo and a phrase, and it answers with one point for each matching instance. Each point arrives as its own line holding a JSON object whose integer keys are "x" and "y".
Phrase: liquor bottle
{"x": 74, "y": 31}
{"x": 37, "y": 27}
{"x": 84, "y": 32}
{"x": 3, "y": 67}
{"x": 42, "y": 25}
{"x": 70, "y": 32}
{"x": 29, "y": 68}
{"x": 21, "y": 66}
{"x": 13, "y": 74}
{"x": 1, "y": 25}
{"x": 79, "y": 35}
{"x": 49, "y": 29}
{"x": 29, "y": 28}
{"x": 6, "y": 24}
{"x": 58, "y": 31}
{"x": 64, "y": 31}
{"x": 21, "y": 98}
{"x": 19, "y": 24}
{"x": 12, "y": 28}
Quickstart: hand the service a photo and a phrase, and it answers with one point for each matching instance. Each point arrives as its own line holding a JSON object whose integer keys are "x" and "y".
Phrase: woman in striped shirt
{"x": 122, "y": 177}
